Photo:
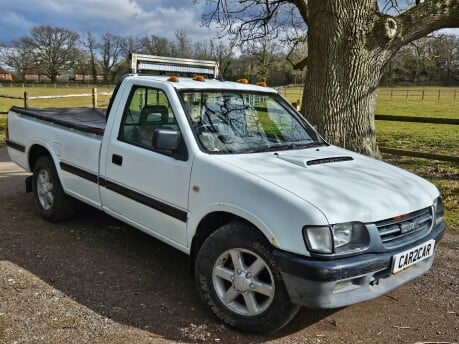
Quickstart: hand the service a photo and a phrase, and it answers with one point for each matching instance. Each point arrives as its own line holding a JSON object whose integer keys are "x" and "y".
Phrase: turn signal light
{"x": 173, "y": 78}
{"x": 199, "y": 78}
{"x": 243, "y": 81}
{"x": 261, "y": 83}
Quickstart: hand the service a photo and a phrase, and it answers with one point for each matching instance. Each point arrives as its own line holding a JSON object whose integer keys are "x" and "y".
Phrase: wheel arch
{"x": 35, "y": 152}
{"x": 209, "y": 224}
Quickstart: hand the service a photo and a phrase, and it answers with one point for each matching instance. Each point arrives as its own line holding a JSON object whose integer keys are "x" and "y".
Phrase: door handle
{"x": 117, "y": 159}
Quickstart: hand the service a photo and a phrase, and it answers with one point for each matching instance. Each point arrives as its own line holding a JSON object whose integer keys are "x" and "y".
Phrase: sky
{"x": 119, "y": 17}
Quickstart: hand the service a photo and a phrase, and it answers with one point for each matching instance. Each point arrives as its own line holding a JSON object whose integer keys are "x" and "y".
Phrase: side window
{"x": 147, "y": 109}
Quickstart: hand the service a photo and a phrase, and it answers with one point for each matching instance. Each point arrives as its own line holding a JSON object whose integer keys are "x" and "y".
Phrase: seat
{"x": 156, "y": 115}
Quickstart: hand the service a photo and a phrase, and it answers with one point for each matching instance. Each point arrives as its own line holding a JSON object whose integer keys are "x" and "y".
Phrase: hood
{"x": 344, "y": 185}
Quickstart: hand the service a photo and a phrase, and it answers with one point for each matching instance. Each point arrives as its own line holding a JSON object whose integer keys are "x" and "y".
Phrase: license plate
{"x": 412, "y": 256}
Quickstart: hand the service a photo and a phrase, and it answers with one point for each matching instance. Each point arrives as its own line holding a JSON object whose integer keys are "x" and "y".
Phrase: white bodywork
{"x": 277, "y": 193}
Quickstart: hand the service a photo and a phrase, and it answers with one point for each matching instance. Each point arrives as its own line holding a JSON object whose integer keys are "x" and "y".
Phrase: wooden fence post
{"x": 407, "y": 92}
{"x": 391, "y": 92}
{"x": 438, "y": 94}
{"x": 422, "y": 95}
{"x": 26, "y": 99}
{"x": 94, "y": 97}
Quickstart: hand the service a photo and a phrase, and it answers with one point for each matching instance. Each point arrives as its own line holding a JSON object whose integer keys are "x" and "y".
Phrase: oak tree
{"x": 53, "y": 49}
{"x": 349, "y": 43}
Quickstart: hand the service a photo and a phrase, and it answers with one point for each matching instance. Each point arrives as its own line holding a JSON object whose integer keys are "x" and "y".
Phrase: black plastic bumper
{"x": 343, "y": 268}
{"x": 341, "y": 282}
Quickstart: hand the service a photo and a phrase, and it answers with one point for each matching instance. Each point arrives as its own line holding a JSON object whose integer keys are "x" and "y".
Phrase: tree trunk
{"x": 93, "y": 68}
{"x": 346, "y": 56}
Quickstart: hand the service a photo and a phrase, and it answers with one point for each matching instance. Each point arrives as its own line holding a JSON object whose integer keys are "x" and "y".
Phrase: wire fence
{"x": 294, "y": 93}
{"x": 26, "y": 98}
{"x": 420, "y": 94}
{"x": 9, "y": 85}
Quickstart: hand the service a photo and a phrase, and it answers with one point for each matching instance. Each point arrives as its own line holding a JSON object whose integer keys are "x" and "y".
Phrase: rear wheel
{"x": 49, "y": 197}
{"x": 239, "y": 279}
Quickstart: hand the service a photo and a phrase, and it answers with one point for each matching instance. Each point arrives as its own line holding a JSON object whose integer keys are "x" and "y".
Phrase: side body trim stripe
{"x": 79, "y": 172}
{"x": 162, "y": 207}
{"x": 149, "y": 202}
{"x": 16, "y": 146}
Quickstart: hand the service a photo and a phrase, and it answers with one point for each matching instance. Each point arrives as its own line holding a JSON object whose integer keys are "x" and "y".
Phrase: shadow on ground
{"x": 117, "y": 271}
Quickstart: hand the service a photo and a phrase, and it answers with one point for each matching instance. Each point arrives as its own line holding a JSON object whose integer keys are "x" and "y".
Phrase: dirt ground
{"x": 96, "y": 280}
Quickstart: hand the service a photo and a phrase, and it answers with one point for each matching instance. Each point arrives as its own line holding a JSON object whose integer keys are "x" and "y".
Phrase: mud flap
{"x": 28, "y": 184}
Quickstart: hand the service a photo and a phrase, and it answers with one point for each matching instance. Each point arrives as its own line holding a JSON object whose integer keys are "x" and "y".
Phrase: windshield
{"x": 243, "y": 122}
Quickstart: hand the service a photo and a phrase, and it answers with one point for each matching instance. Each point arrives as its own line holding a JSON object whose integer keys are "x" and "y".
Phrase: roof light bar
{"x": 163, "y": 65}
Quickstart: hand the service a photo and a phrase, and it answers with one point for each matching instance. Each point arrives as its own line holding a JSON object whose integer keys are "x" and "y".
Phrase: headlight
{"x": 342, "y": 234}
{"x": 439, "y": 211}
{"x": 340, "y": 238}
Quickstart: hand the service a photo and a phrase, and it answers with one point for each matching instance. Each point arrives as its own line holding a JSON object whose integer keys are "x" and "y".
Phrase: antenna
{"x": 151, "y": 64}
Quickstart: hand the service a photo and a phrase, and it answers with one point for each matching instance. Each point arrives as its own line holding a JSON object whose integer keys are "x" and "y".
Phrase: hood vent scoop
{"x": 328, "y": 160}
{"x": 300, "y": 161}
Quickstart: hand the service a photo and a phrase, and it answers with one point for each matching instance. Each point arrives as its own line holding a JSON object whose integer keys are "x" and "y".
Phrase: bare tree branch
{"x": 302, "y": 8}
{"x": 249, "y": 20}
{"x": 424, "y": 18}
{"x": 298, "y": 65}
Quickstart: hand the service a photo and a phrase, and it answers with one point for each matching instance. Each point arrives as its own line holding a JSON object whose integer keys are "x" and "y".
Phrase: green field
{"x": 406, "y": 101}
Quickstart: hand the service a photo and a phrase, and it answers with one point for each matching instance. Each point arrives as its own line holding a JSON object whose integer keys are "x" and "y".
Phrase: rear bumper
{"x": 340, "y": 282}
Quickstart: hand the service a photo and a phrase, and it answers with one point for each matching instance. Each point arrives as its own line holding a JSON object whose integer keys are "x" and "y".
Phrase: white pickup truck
{"x": 271, "y": 215}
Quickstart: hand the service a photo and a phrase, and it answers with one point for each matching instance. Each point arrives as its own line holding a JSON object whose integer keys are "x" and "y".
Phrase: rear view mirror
{"x": 169, "y": 142}
{"x": 166, "y": 140}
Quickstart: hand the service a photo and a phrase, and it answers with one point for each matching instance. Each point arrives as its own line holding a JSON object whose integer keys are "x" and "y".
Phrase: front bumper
{"x": 340, "y": 282}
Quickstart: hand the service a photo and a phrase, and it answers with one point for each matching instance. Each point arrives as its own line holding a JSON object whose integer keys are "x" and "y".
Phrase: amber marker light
{"x": 243, "y": 81}
{"x": 173, "y": 78}
{"x": 199, "y": 78}
{"x": 261, "y": 83}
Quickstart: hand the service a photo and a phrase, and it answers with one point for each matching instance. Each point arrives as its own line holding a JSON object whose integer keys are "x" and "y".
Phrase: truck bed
{"x": 88, "y": 120}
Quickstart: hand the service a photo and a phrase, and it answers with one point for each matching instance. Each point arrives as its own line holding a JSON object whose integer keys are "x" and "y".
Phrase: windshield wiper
{"x": 312, "y": 144}
{"x": 266, "y": 148}
{"x": 287, "y": 146}
{"x": 293, "y": 145}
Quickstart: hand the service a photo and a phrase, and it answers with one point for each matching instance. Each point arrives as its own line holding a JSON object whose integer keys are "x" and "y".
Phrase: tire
{"x": 238, "y": 279}
{"x": 49, "y": 197}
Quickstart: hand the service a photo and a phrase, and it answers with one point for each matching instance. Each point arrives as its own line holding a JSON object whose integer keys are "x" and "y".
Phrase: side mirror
{"x": 169, "y": 142}
{"x": 166, "y": 140}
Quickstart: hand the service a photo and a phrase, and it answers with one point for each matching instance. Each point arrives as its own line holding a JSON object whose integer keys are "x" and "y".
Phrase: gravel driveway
{"x": 96, "y": 280}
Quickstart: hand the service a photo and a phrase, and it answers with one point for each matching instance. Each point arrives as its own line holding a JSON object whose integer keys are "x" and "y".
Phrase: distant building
{"x": 5, "y": 75}
{"x": 83, "y": 76}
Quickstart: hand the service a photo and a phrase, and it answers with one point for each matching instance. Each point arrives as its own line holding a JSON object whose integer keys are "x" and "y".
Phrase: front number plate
{"x": 409, "y": 257}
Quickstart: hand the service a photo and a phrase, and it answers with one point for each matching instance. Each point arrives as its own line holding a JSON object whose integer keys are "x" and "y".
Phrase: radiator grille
{"x": 418, "y": 222}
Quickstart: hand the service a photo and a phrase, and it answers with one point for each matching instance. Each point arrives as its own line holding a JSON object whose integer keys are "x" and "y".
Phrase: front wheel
{"x": 239, "y": 279}
{"x": 50, "y": 199}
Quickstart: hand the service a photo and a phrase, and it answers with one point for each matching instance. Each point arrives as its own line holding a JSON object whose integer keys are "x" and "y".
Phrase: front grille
{"x": 418, "y": 222}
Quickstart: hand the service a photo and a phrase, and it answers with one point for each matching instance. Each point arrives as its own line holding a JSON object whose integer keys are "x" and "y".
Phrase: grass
{"x": 437, "y": 138}
{"x": 2, "y": 129}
